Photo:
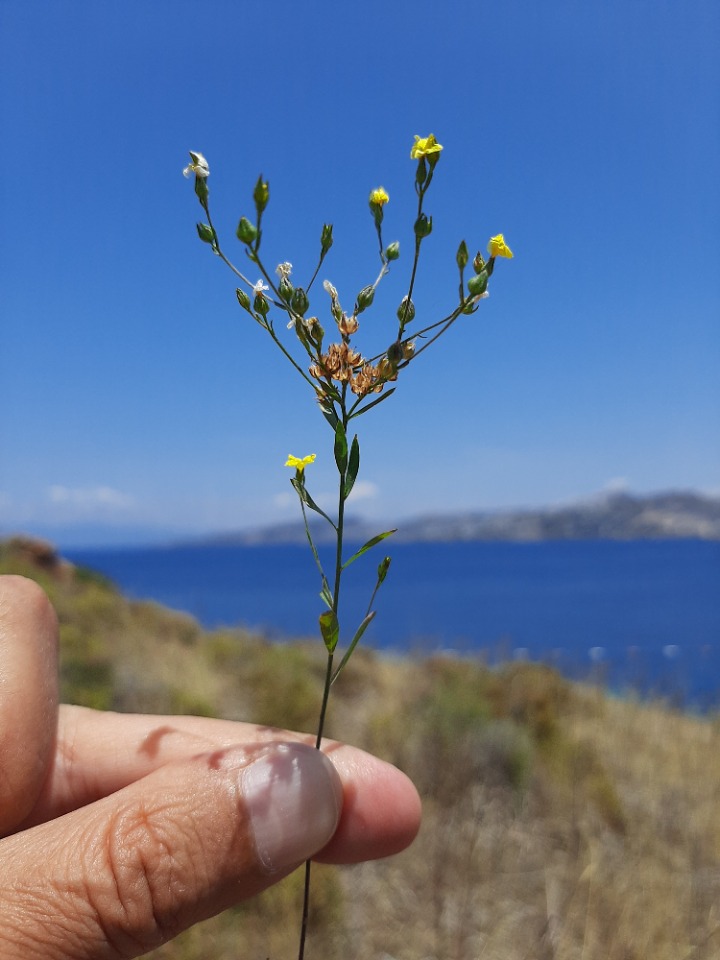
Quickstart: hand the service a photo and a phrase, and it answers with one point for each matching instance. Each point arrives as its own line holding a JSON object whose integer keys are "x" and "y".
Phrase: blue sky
{"x": 137, "y": 400}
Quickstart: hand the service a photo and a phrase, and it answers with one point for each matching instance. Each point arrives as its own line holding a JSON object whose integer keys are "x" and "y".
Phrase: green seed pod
{"x": 299, "y": 301}
{"x": 364, "y": 298}
{"x": 260, "y": 305}
{"x": 423, "y": 226}
{"x": 395, "y": 353}
{"x": 406, "y": 311}
{"x": 243, "y": 299}
{"x": 286, "y": 290}
{"x": 205, "y": 232}
{"x": 478, "y": 283}
{"x": 246, "y": 231}
{"x": 392, "y": 251}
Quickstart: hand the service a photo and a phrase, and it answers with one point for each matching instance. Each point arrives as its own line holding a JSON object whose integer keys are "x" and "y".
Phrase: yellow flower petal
{"x": 424, "y": 146}
{"x": 299, "y": 463}
{"x": 379, "y": 196}
{"x": 498, "y": 248}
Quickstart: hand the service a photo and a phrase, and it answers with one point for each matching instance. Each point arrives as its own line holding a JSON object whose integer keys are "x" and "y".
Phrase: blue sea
{"x": 637, "y": 615}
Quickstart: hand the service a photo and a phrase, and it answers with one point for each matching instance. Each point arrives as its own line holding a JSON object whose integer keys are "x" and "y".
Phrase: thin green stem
{"x": 329, "y": 665}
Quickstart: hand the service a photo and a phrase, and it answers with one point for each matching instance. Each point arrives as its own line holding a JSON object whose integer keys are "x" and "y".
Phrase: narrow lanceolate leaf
{"x": 328, "y": 411}
{"x": 353, "y": 466}
{"x": 369, "y": 406}
{"x": 330, "y": 629}
{"x": 325, "y": 594}
{"x": 354, "y": 642}
{"x": 341, "y": 448}
{"x": 365, "y": 547}
{"x": 309, "y": 502}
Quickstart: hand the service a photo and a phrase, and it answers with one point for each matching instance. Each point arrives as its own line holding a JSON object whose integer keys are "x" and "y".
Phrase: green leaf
{"x": 328, "y": 411}
{"x": 330, "y": 629}
{"x": 366, "y": 547}
{"x": 341, "y": 449}
{"x": 308, "y": 500}
{"x": 325, "y": 594}
{"x": 380, "y": 399}
{"x": 353, "y": 643}
{"x": 353, "y": 467}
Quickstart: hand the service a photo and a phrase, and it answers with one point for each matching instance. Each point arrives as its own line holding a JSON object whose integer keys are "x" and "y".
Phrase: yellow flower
{"x": 198, "y": 166}
{"x": 498, "y": 248}
{"x": 298, "y": 463}
{"x": 379, "y": 197}
{"x": 424, "y": 147}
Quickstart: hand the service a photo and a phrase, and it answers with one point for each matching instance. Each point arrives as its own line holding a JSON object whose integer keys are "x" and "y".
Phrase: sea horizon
{"x": 635, "y": 615}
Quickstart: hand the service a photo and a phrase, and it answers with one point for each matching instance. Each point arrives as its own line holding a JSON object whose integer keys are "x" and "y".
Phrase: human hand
{"x": 120, "y": 831}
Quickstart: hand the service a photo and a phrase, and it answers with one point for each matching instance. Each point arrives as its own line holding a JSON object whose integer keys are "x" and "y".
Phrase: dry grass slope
{"x": 559, "y": 824}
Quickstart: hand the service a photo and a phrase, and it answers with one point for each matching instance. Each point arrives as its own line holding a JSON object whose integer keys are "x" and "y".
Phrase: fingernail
{"x": 293, "y": 796}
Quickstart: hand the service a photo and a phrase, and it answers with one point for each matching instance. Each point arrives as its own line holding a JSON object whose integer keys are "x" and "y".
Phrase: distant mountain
{"x": 615, "y": 516}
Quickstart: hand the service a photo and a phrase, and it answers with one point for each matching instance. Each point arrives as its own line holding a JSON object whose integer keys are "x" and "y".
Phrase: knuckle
{"x": 148, "y": 869}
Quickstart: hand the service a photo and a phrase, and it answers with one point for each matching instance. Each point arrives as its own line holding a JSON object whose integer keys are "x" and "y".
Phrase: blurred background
{"x": 138, "y": 403}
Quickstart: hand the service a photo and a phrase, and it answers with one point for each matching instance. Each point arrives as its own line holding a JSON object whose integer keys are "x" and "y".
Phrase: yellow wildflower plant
{"x": 345, "y": 383}
{"x": 424, "y": 147}
{"x": 498, "y": 248}
{"x": 299, "y": 463}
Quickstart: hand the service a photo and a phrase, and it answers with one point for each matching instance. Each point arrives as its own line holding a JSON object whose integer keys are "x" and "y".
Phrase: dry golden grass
{"x": 559, "y": 824}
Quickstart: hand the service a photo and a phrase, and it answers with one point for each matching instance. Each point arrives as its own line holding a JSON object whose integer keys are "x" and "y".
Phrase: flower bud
{"x": 462, "y": 256}
{"x": 299, "y": 301}
{"x": 478, "y": 283}
{"x": 406, "y": 311}
{"x": 478, "y": 262}
{"x": 246, "y": 231}
{"x": 378, "y": 199}
{"x": 423, "y": 226}
{"x": 205, "y": 232}
{"x": 392, "y": 251}
{"x": 261, "y": 195}
{"x": 326, "y": 238}
{"x": 243, "y": 299}
{"x": 364, "y": 298}
{"x": 408, "y": 350}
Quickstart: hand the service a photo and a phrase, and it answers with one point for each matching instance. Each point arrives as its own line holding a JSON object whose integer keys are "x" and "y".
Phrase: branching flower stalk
{"x": 344, "y": 383}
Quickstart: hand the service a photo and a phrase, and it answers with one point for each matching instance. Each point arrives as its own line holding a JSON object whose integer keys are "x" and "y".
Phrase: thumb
{"x": 129, "y": 872}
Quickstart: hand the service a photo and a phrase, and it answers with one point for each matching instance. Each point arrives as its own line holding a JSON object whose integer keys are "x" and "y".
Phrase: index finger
{"x": 28, "y": 695}
{"x": 99, "y": 753}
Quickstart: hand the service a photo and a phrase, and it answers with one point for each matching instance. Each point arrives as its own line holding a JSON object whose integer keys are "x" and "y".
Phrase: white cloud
{"x": 284, "y": 500}
{"x": 90, "y": 498}
{"x": 617, "y": 485}
{"x": 364, "y": 490}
